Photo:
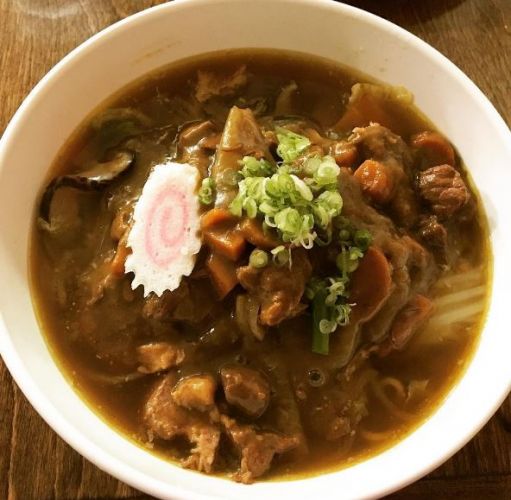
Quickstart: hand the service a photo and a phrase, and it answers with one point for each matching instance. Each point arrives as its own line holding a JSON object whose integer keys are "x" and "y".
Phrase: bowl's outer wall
{"x": 184, "y": 28}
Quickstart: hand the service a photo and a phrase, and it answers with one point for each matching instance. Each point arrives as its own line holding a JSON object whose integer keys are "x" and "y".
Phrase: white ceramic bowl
{"x": 153, "y": 38}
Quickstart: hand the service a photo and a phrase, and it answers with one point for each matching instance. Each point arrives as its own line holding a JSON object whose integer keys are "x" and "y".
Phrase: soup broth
{"x": 286, "y": 352}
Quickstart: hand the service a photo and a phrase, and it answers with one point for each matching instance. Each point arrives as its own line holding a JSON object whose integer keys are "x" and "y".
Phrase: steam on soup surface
{"x": 260, "y": 264}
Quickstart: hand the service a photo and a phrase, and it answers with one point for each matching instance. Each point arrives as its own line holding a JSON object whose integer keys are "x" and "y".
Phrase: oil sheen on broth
{"x": 411, "y": 228}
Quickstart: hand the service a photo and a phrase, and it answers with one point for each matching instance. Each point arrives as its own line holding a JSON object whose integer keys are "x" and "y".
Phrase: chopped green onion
{"x": 291, "y": 145}
{"x": 207, "y": 191}
{"x": 252, "y": 167}
{"x": 362, "y": 239}
{"x": 344, "y": 235}
{"x": 258, "y": 259}
{"x": 347, "y": 261}
{"x": 323, "y": 171}
{"x": 298, "y": 208}
{"x": 329, "y": 309}
{"x": 327, "y": 172}
{"x": 281, "y": 256}
{"x": 320, "y": 340}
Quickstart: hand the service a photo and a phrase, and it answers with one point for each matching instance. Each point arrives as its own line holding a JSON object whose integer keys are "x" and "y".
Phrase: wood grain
{"x": 35, "y": 34}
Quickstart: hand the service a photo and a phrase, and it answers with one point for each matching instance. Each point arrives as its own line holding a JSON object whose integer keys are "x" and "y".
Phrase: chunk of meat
{"x": 370, "y": 285}
{"x": 195, "y": 392}
{"x": 333, "y": 414}
{"x": 375, "y": 181}
{"x": 432, "y": 149}
{"x": 380, "y": 144}
{"x": 241, "y": 137}
{"x": 406, "y": 323}
{"x": 433, "y": 234}
{"x": 166, "y": 420}
{"x": 246, "y": 389}
{"x": 161, "y": 308}
{"x": 210, "y": 84}
{"x": 159, "y": 356}
{"x": 256, "y": 448}
{"x": 444, "y": 189}
{"x": 278, "y": 289}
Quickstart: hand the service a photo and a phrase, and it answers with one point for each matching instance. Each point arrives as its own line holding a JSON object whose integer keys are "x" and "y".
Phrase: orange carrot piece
{"x": 375, "y": 181}
{"x": 433, "y": 148}
{"x": 230, "y": 243}
{"x": 345, "y": 154}
{"x": 223, "y": 274}
{"x": 219, "y": 229}
{"x": 216, "y": 217}
{"x": 252, "y": 230}
{"x": 371, "y": 284}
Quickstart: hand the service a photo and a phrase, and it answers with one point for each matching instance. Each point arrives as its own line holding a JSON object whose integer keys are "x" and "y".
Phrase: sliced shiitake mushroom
{"x": 93, "y": 179}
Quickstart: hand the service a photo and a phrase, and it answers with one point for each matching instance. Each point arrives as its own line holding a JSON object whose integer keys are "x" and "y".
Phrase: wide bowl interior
{"x": 184, "y": 28}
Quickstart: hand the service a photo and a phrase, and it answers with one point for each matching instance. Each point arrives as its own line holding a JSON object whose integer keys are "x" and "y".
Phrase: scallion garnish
{"x": 258, "y": 259}
{"x": 297, "y": 207}
{"x": 291, "y": 145}
{"x": 329, "y": 310}
{"x": 207, "y": 191}
{"x": 281, "y": 256}
{"x": 330, "y": 306}
{"x": 252, "y": 167}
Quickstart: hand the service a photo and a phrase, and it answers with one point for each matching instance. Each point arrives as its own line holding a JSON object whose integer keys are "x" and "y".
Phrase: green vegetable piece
{"x": 362, "y": 239}
{"x": 347, "y": 261}
{"x": 207, "y": 191}
{"x": 252, "y": 167}
{"x": 291, "y": 145}
{"x": 258, "y": 259}
{"x": 320, "y": 340}
{"x": 344, "y": 235}
{"x": 281, "y": 256}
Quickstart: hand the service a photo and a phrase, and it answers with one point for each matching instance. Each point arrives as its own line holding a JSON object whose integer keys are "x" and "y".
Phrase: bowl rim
{"x": 37, "y": 398}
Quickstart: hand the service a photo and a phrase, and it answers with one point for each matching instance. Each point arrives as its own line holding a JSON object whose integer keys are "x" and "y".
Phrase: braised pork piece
{"x": 340, "y": 283}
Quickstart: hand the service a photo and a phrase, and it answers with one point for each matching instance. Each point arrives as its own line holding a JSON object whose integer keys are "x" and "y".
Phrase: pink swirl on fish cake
{"x": 165, "y": 231}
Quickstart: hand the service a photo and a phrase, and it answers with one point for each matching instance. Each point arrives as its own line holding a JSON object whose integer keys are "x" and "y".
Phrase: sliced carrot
{"x": 230, "y": 243}
{"x": 252, "y": 230}
{"x": 344, "y": 153}
{"x": 223, "y": 274}
{"x": 371, "y": 284}
{"x": 375, "y": 180}
{"x": 433, "y": 148}
{"x": 216, "y": 217}
{"x": 220, "y": 231}
{"x": 121, "y": 254}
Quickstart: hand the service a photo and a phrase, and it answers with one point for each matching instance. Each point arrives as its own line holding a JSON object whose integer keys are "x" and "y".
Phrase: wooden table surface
{"x": 35, "y": 34}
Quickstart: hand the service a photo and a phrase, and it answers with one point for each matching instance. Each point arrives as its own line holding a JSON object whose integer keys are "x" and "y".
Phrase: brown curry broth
{"x": 325, "y": 89}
